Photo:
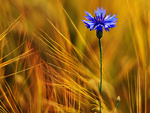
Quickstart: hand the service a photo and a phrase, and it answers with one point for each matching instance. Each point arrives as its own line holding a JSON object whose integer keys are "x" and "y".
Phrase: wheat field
{"x": 49, "y": 60}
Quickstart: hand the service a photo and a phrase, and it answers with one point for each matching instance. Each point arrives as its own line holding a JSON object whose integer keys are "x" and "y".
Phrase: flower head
{"x": 99, "y": 21}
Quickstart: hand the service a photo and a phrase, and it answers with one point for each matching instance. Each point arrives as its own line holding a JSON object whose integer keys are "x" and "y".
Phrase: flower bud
{"x": 99, "y": 34}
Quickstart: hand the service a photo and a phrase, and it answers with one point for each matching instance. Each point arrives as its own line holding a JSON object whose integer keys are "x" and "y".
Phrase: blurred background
{"x": 49, "y": 60}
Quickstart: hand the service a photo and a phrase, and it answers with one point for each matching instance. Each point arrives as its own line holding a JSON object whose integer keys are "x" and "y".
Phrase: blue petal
{"x": 110, "y": 22}
{"x": 101, "y": 9}
{"x": 109, "y": 25}
{"x": 89, "y": 24}
{"x": 104, "y": 12}
{"x": 99, "y": 27}
{"x": 98, "y": 13}
{"x": 108, "y": 16}
{"x": 106, "y": 29}
{"x": 110, "y": 19}
{"x": 98, "y": 10}
{"x": 89, "y": 16}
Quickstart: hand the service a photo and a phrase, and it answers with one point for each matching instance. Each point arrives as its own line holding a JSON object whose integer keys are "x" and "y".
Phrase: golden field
{"x": 49, "y": 60}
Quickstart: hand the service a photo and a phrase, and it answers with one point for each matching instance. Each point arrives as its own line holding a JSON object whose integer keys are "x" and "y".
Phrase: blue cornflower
{"x": 99, "y": 21}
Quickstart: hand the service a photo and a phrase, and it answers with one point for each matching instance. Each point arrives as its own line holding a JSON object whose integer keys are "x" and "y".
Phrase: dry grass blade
{"x": 11, "y": 27}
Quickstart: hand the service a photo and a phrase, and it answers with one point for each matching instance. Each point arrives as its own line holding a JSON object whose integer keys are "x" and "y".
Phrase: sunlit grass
{"x": 49, "y": 61}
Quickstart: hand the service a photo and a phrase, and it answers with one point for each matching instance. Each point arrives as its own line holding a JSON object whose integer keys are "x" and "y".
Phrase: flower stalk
{"x": 100, "y": 85}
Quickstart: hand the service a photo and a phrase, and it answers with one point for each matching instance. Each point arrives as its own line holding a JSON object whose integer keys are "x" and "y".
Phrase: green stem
{"x": 117, "y": 104}
{"x": 100, "y": 86}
